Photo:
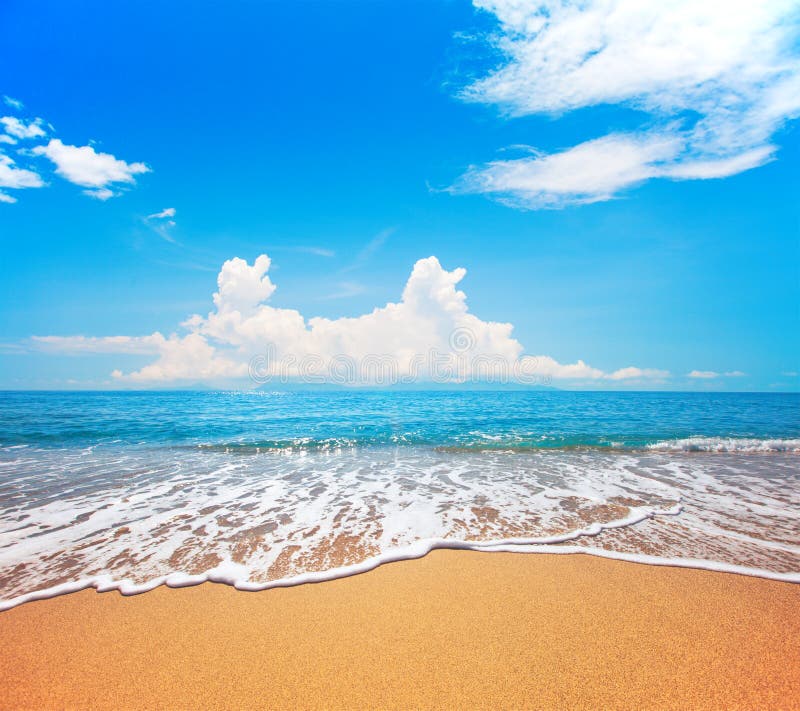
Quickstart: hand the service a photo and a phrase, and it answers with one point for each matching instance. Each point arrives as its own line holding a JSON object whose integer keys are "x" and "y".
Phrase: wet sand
{"x": 454, "y": 629}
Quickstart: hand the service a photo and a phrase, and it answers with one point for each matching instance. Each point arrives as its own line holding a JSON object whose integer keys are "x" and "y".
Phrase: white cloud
{"x": 242, "y": 287}
{"x": 550, "y": 368}
{"x": 190, "y": 357}
{"x": 13, "y": 103}
{"x": 98, "y": 173}
{"x": 429, "y": 329}
{"x": 167, "y": 212}
{"x": 718, "y": 168}
{"x": 83, "y": 166}
{"x": 19, "y": 129}
{"x": 718, "y": 79}
{"x": 16, "y": 178}
{"x": 13, "y": 177}
{"x": 710, "y": 374}
{"x": 162, "y": 223}
{"x": 101, "y": 194}
{"x": 595, "y": 171}
{"x": 589, "y": 172}
{"x": 640, "y": 373}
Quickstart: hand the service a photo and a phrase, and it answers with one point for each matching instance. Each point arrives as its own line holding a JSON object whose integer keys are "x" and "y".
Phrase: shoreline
{"x": 560, "y": 546}
{"x": 451, "y": 628}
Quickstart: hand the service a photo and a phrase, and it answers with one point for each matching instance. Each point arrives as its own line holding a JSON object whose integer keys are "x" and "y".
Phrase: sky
{"x": 596, "y": 195}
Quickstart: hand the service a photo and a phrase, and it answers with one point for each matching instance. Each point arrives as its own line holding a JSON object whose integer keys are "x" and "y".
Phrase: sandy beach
{"x": 453, "y": 629}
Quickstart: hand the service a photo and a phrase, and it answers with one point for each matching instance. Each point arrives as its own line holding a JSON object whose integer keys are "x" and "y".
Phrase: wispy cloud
{"x": 316, "y": 251}
{"x": 369, "y": 249}
{"x": 14, "y": 348}
{"x": 703, "y": 374}
{"x": 594, "y": 171}
{"x": 162, "y": 222}
{"x": 717, "y": 79}
{"x": 165, "y": 213}
{"x": 375, "y": 243}
{"x": 710, "y": 374}
{"x": 74, "y": 345}
{"x": 13, "y": 103}
{"x": 346, "y": 289}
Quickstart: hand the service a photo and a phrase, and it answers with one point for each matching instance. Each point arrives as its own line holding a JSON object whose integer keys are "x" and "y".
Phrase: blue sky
{"x": 338, "y": 138}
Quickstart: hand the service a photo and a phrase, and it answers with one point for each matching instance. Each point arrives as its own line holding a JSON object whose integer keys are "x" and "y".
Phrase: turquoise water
{"x": 131, "y": 490}
{"x": 312, "y": 420}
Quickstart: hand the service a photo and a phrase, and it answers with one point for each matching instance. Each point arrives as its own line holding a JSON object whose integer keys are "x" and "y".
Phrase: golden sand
{"x": 455, "y": 629}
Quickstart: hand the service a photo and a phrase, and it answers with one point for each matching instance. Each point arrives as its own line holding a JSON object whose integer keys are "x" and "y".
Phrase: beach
{"x": 399, "y": 550}
{"x": 453, "y": 362}
{"x": 453, "y": 629}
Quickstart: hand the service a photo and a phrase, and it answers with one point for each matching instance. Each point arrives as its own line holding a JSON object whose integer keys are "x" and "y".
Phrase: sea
{"x": 130, "y": 490}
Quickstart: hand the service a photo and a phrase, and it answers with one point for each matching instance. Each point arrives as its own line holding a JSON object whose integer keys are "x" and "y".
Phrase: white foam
{"x": 157, "y": 522}
{"x": 232, "y": 574}
{"x": 726, "y": 444}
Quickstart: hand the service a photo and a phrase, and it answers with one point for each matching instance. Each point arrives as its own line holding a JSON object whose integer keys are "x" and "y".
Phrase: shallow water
{"x": 131, "y": 490}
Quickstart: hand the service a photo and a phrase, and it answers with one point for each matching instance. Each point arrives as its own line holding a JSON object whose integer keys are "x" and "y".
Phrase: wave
{"x": 745, "y": 445}
{"x": 235, "y": 575}
{"x": 480, "y": 442}
{"x": 132, "y": 518}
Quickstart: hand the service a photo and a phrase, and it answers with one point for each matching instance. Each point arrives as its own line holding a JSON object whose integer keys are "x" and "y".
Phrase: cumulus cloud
{"x": 100, "y": 174}
{"x": 429, "y": 333}
{"x": 16, "y": 178}
{"x": 717, "y": 80}
{"x": 13, "y": 177}
{"x": 97, "y": 172}
{"x": 20, "y": 129}
{"x": 189, "y": 357}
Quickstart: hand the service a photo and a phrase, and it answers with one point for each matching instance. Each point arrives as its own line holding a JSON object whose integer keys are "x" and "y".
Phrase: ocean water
{"x": 260, "y": 489}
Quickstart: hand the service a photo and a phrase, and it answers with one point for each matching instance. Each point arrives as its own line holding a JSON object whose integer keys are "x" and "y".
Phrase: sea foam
{"x": 132, "y": 518}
